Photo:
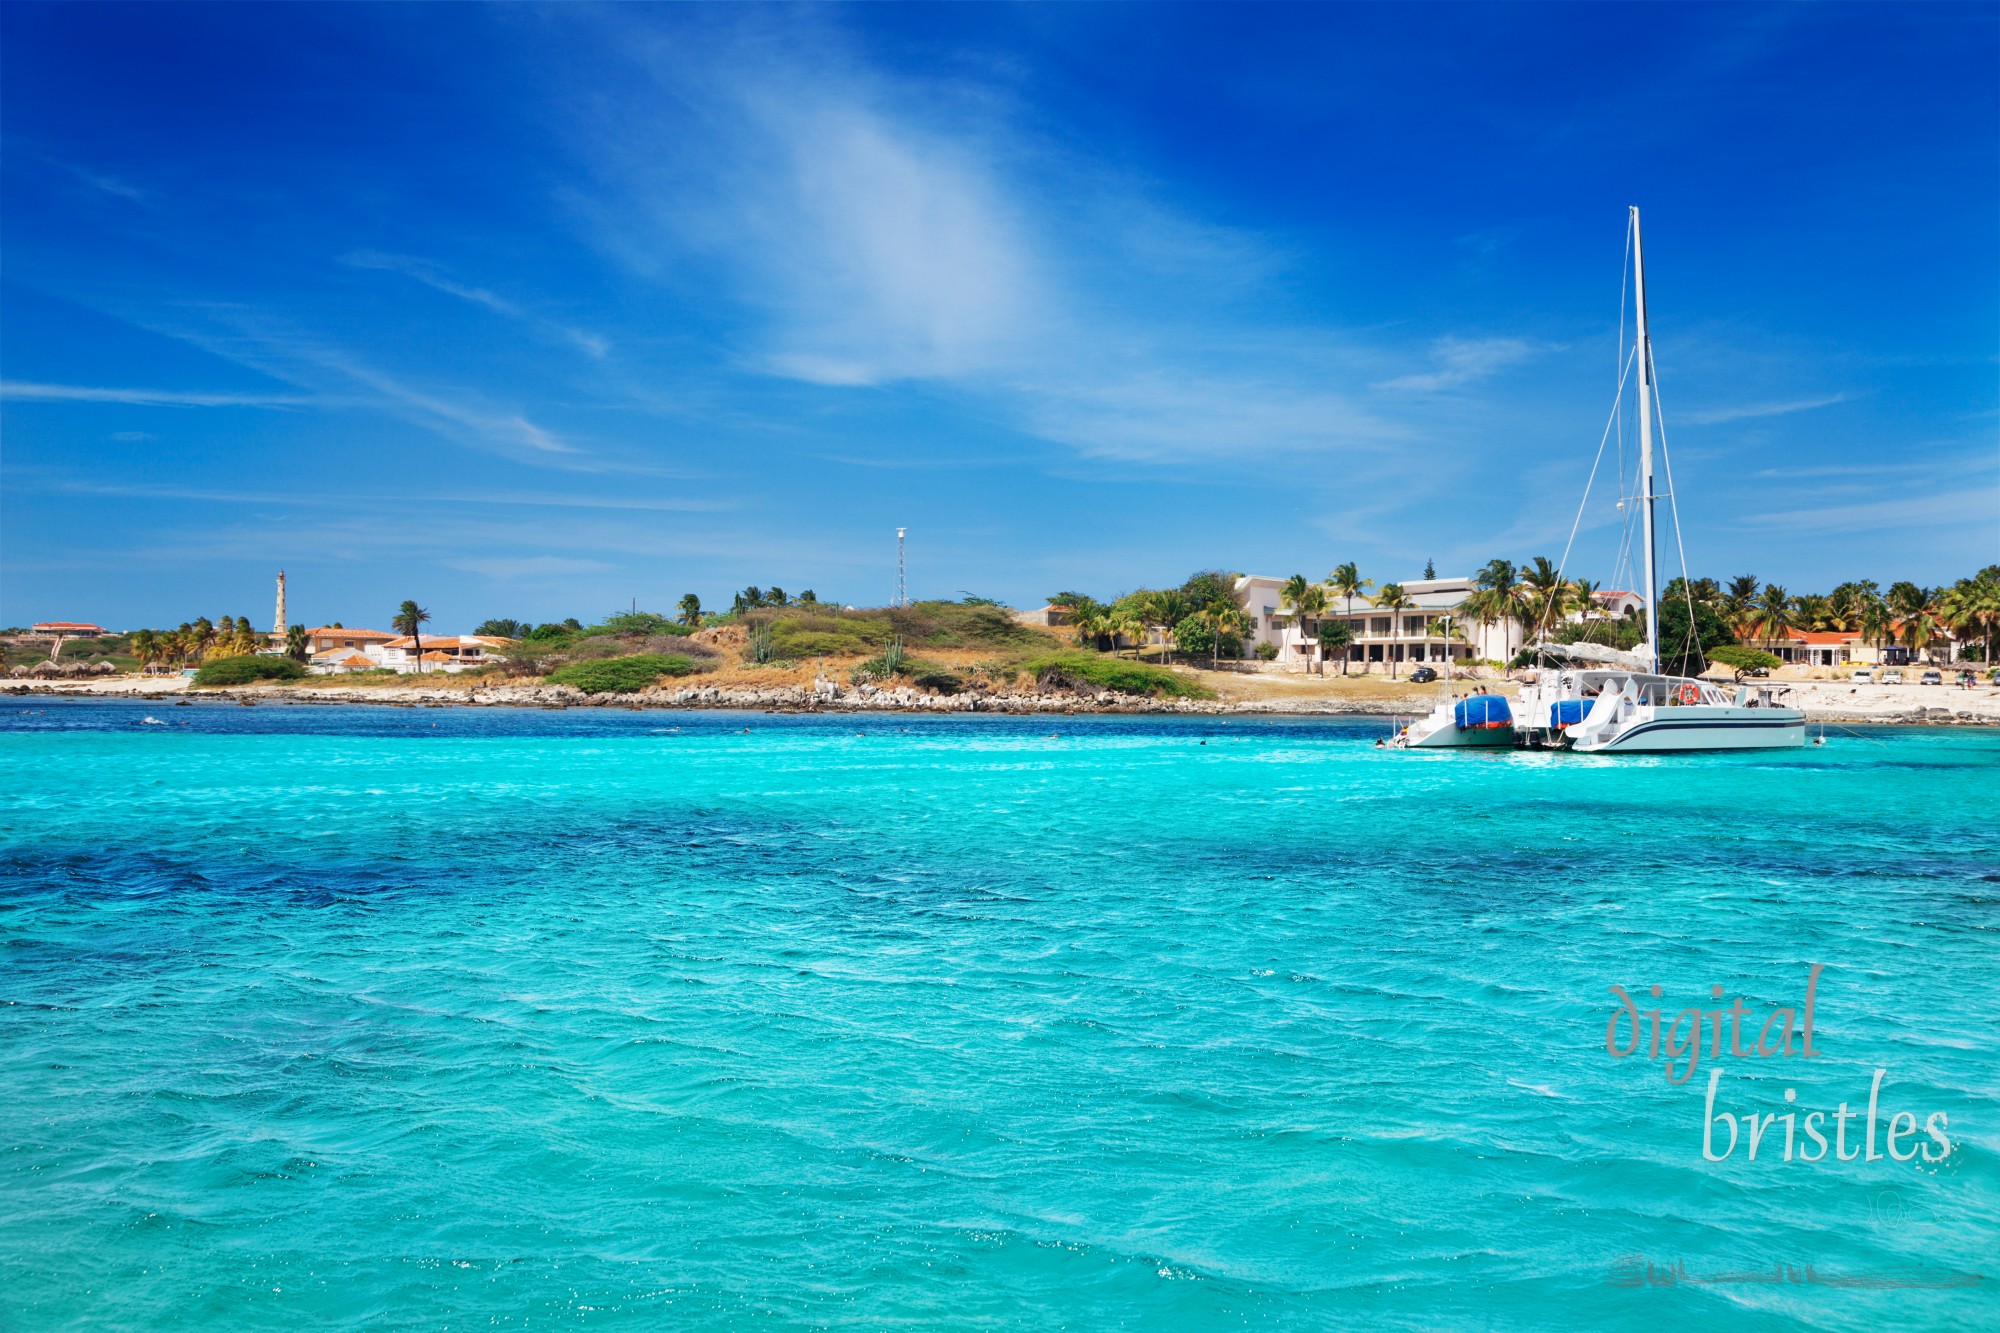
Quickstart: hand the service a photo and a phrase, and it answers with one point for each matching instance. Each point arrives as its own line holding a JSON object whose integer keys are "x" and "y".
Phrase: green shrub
{"x": 797, "y": 643}
{"x": 621, "y": 675}
{"x": 1267, "y": 652}
{"x": 797, "y": 636}
{"x": 1196, "y": 637}
{"x": 1740, "y": 659}
{"x": 937, "y": 680}
{"x": 248, "y": 670}
{"x": 635, "y": 625}
{"x": 1108, "y": 673}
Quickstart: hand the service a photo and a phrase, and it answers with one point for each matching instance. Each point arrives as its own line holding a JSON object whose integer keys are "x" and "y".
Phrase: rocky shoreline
{"x": 1821, "y": 703}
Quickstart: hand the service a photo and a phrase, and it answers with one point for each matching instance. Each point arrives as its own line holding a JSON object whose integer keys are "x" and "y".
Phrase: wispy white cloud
{"x": 452, "y": 414}
{"x": 1720, "y": 415}
{"x": 877, "y": 231}
{"x": 872, "y": 247}
{"x": 1165, "y": 417}
{"x": 271, "y": 346}
{"x": 514, "y": 569}
{"x": 102, "y": 181}
{"x": 27, "y": 482}
{"x": 1975, "y": 504}
{"x": 430, "y": 275}
{"x": 80, "y": 393}
{"x": 1463, "y": 361}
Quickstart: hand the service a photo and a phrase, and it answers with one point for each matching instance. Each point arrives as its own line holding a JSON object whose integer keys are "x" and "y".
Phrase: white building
{"x": 1618, "y": 604}
{"x": 446, "y": 652}
{"x": 1432, "y": 629}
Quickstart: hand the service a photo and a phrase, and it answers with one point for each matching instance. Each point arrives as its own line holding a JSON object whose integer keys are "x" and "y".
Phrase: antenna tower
{"x": 902, "y": 591}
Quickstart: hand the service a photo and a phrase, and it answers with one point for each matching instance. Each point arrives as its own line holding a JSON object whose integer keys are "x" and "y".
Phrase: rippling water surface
{"x": 443, "y": 1018}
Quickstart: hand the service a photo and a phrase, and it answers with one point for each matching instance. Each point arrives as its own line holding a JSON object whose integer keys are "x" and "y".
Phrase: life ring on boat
{"x": 1690, "y": 693}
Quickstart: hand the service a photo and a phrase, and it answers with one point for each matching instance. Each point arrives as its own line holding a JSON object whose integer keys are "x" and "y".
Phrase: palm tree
{"x": 1314, "y": 605}
{"x": 1224, "y": 617}
{"x": 1391, "y": 598}
{"x": 1166, "y": 608}
{"x": 1773, "y": 612}
{"x": 1873, "y": 616}
{"x": 1921, "y": 618}
{"x": 1500, "y": 598}
{"x": 296, "y": 645}
{"x": 146, "y": 648}
{"x": 690, "y": 610}
{"x": 1128, "y": 620}
{"x": 1814, "y": 611}
{"x": 1972, "y": 608}
{"x": 1091, "y": 620}
{"x": 1346, "y": 582}
{"x": 1547, "y": 597}
{"x": 1739, "y": 605}
{"x": 409, "y": 621}
{"x": 1305, "y": 598}
{"x": 204, "y": 635}
{"x": 1585, "y": 593}
{"x": 1706, "y": 592}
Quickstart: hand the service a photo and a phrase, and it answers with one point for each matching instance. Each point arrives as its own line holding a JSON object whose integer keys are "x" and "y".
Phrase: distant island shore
{"x": 1249, "y": 694}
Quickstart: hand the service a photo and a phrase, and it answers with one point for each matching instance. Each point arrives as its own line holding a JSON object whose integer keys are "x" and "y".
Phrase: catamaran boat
{"x": 1476, "y": 722}
{"x": 1593, "y": 699}
{"x": 1593, "y": 703}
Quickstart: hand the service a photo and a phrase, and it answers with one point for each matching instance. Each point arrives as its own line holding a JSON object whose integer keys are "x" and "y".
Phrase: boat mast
{"x": 1645, "y": 354}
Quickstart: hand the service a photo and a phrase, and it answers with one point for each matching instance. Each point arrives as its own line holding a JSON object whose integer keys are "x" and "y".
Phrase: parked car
{"x": 1864, "y": 678}
{"x": 1931, "y": 678}
{"x": 1423, "y": 676}
{"x": 1892, "y": 677}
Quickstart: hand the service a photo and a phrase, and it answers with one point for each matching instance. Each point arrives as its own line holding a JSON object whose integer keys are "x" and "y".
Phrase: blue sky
{"x": 533, "y": 312}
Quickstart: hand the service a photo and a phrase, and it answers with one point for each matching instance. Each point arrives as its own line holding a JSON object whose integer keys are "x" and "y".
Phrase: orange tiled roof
{"x": 325, "y": 631}
{"x": 66, "y": 625}
{"x": 446, "y": 641}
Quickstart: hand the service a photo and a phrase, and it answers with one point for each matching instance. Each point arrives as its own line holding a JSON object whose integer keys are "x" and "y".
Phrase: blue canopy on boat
{"x": 1480, "y": 712}
{"x": 1565, "y": 712}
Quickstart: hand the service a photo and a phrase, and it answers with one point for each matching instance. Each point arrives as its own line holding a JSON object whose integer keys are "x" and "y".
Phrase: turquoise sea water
{"x": 449, "y": 1018}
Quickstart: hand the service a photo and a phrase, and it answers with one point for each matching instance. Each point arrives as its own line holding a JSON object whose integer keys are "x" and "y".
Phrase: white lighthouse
{"x": 278, "y": 630}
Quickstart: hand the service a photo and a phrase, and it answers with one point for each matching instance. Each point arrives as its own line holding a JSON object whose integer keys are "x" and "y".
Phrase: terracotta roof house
{"x": 444, "y": 652}
{"x": 339, "y": 660}
{"x": 329, "y": 638}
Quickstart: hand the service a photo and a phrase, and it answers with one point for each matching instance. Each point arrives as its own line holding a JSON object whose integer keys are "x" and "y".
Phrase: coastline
{"x": 1822, "y": 702}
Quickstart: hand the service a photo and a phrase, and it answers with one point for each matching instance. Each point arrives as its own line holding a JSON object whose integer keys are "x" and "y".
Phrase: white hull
{"x": 1668, "y": 730}
{"x": 1488, "y": 726}
{"x": 1451, "y": 737}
